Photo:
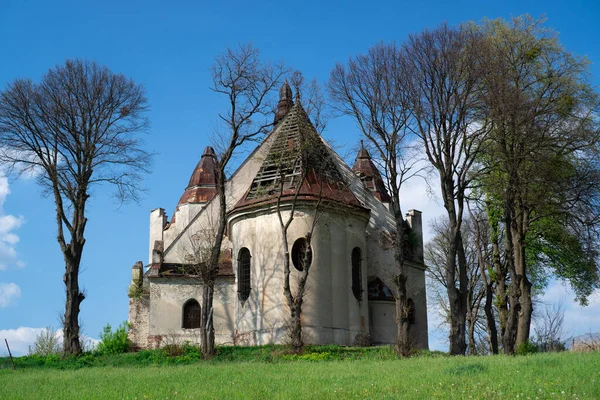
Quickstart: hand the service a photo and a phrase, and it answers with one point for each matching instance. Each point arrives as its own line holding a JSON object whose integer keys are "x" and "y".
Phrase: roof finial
{"x": 363, "y": 153}
{"x": 285, "y": 102}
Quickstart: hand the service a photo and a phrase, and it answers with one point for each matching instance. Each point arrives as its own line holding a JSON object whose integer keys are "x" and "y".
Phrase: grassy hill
{"x": 322, "y": 372}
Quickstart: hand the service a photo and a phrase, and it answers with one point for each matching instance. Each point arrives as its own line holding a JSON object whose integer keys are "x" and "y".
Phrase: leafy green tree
{"x": 543, "y": 146}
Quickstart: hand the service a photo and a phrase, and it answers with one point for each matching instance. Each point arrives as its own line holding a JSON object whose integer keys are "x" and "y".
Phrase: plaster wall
{"x": 331, "y": 314}
{"x": 383, "y": 313}
{"x": 167, "y": 299}
{"x": 380, "y": 262}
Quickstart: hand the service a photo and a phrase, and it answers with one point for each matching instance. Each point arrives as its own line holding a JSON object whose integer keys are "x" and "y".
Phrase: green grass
{"x": 322, "y": 372}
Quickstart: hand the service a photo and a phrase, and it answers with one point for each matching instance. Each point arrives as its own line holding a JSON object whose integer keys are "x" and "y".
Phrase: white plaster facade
{"x": 331, "y": 312}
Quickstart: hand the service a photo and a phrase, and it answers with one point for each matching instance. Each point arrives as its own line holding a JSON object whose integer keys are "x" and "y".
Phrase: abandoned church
{"x": 347, "y": 211}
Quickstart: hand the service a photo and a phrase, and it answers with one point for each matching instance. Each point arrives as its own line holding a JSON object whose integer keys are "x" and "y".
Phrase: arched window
{"x": 301, "y": 254}
{"x": 411, "y": 311}
{"x": 191, "y": 314}
{"x": 357, "y": 288}
{"x": 244, "y": 274}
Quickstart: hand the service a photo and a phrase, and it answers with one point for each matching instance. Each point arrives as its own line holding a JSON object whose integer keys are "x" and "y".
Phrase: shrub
{"x": 526, "y": 348}
{"x": 135, "y": 291}
{"x": 46, "y": 343}
{"x": 114, "y": 342}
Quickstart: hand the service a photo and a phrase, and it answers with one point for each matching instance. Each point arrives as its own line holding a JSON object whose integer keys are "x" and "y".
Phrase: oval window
{"x": 301, "y": 254}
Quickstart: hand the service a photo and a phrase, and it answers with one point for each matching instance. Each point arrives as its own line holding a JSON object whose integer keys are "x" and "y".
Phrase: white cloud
{"x": 19, "y": 339}
{"x": 8, "y": 224}
{"x": 22, "y": 338}
{"x": 420, "y": 195}
{"x": 9, "y": 292}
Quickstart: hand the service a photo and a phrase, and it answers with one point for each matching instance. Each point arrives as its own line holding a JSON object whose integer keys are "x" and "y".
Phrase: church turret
{"x": 201, "y": 188}
{"x": 366, "y": 170}
{"x": 285, "y": 102}
{"x": 203, "y": 183}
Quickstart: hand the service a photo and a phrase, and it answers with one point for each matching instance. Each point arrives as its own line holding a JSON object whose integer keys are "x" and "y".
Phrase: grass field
{"x": 322, "y": 372}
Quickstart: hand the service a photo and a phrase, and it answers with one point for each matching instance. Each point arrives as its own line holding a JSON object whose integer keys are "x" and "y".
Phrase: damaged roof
{"x": 298, "y": 163}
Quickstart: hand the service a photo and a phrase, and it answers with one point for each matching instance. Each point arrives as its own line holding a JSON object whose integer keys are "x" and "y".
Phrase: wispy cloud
{"x": 9, "y": 293}
{"x": 8, "y": 224}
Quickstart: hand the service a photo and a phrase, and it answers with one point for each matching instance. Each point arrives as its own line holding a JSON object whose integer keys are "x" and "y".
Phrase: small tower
{"x": 201, "y": 188}
{"x": 367, "y": 172}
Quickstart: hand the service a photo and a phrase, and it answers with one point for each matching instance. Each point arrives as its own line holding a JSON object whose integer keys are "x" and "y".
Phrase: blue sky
{"x": 169, "y": 47}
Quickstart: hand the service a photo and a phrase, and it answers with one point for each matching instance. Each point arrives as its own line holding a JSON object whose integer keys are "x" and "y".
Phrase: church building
{"x": 346, "y": 210}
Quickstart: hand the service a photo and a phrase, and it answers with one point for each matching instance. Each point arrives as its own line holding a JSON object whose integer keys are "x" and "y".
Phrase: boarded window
{"x": 191, "y": 314}
{"x": 411, "y": 311}
{"x": 357, "y": 288}
{"x": 244, "y": 274}
{"x": 301, "y": 254}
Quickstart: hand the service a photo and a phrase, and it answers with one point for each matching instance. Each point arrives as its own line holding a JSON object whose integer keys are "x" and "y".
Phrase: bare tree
{"x": 443, "y": 80}
{"x": 436, "y": 253}
{"x": 485, "y": 245}
{"x": 246, "y": 83}
{"x": 371, "y": 90}
{"x": 78, "y": 127}
{"x": 295, "y": 298}
{"x": 548, "y": 327}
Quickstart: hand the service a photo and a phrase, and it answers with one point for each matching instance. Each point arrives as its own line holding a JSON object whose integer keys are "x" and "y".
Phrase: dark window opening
{"x": 301, "y": 254}
{"x": 191, "y": 314}
{"x": 357, "y": 288}
{"x": 244, "y": 274}
{"x": 411, "y": 311}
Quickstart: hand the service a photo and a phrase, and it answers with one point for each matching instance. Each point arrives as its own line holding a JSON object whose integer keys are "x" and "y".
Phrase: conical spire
{"x": 366, "y": 170}
{"x": 285, "y": 102}
{"x": 203, "y": 183}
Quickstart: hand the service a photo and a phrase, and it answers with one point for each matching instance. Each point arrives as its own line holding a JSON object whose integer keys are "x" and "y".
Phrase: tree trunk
{"x": 71, "y": 341}
{"x": 296, "y": 333}
{"x": 510, "y": 331}
{"x": 456, "y": 296}
{"x": 463, "y": 284}
{"x": 526, "y": 310}
{"x": 471, "y": 334}
{"x": 403, "y": 343}
{"x": 209, "y": 272}
{"x": 487, "y": 281}
{"x": 207, "y": 331}
{"x": 500, "y": 274}
{"x": 490, "y": 320}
